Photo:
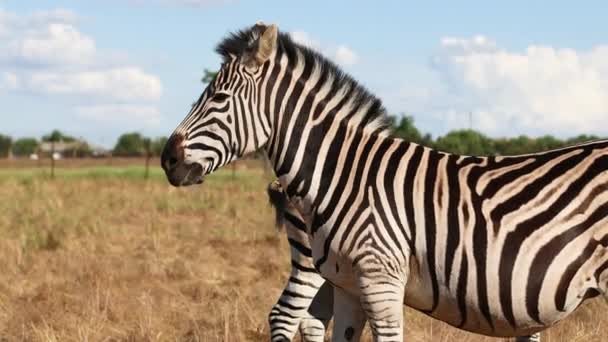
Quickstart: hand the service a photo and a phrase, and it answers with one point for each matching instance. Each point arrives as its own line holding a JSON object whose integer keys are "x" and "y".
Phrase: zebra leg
{"x": 349, "y": 318}
{"x": 306, "y": 301}
{"x": 291, "y": 310}
{"x": 312, "y": 328}
{"x": 383, "y": 306}
{"x": 531, "y": 338}
{"x": 382, "y": 286}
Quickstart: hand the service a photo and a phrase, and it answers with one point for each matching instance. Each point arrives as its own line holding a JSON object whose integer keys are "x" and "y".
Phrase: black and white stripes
{"x": 502, "y": 246}
{"x": 306, "y": 304}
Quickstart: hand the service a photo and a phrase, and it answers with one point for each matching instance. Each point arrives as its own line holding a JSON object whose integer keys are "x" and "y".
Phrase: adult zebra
{"x": 502, "y": 246}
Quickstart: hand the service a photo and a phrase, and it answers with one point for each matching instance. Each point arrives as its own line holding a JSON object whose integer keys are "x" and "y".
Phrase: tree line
{"x": 462, "y": 141}
{"x": 472, "y": 142}
{"x": 131, "y": 144}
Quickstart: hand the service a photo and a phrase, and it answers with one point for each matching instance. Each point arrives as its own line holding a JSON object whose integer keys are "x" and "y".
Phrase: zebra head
{"x": 226, "y": 122}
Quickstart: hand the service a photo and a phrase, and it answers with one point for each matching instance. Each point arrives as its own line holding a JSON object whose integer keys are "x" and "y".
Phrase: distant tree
{"x": 157, "y": 145}
{"x": 130, "y": 145}
{"x": 406, "y": 129}
{"x": 581, "y": 139}
{"x": 513, "y": 146}
{"x": 5, "y": 145}
{"x": 427, "y": 140}
{"x": 548, "y": 142}
{"x": 24, "y": 147}
{"x": 57, "y": 135}
{"x": 208, "y": 76}
{"x": 465, "y": 142}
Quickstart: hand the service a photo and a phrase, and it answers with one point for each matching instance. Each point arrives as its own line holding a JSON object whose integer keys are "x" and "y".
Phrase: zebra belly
{"x": 419, "y": 295}
{"x": 476, "y": 322}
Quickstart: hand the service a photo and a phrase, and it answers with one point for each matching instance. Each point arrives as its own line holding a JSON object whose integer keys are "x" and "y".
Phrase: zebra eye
{"x": 220, "y": 97}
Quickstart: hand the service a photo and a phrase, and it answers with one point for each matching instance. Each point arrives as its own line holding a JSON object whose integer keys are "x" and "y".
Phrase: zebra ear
{"x": 262, "y": 46}
{"x": 267, "y": 43}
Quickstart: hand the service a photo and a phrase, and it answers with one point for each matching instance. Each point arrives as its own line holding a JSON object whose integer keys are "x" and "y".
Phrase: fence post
{"x": 52, "y": 158}
{"x": 147, "y": 147}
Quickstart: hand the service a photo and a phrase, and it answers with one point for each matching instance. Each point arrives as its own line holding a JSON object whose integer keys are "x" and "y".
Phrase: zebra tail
{"x": 278, "y": 200}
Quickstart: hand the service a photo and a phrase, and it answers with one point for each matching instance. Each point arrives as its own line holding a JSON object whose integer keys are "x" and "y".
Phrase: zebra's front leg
{"x": 383, "y": 306}
{"x": 382, "y": 286}
{"x": 349, "y": 318}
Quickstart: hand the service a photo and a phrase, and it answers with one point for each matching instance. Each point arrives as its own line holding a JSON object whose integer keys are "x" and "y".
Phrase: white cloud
{"x": 9, "y": 81}
{"x": 346, "y": 56}
{"x": 52, "y": 44}
{"x": 193, "y": 3}
{"x": 129, "y": 83}
{"x": 341, "y": 54}
{"x": 305, "y": 39}
{"x": 540, "y": 90}
{"x": 45, "y": 53}
{"x": 58, "y": 15}
{"x": 198, "y": 2}
{"x": 121, "y": 113}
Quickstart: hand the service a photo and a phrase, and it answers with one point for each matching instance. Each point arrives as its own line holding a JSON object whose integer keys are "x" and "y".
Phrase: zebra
{"x": 307, "y": 300}
{"x": 498, "y": 245}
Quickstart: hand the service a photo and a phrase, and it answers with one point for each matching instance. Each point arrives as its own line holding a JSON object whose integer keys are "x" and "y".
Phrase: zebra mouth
{"x": 185, "y": 175}
{"x": 194, "y": 175}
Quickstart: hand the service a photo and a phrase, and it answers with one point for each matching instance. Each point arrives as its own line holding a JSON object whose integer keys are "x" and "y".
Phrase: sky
{"x": 100, "y": 68}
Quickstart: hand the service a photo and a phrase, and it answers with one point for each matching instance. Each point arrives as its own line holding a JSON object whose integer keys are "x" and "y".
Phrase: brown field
{"x": 100, "y": 254}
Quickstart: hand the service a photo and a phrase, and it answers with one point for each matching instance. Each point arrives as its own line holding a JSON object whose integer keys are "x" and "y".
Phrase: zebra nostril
{"x": 173, "y": 153}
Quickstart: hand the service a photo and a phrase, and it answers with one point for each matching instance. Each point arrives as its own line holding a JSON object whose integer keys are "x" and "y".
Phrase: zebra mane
{"x": 374, "y": 119}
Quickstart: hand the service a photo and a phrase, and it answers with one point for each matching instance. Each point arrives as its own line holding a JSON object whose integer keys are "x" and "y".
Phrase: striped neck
{"x": 313, "y": 108}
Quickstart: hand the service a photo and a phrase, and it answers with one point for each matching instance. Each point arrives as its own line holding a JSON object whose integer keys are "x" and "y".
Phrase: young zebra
{"x": 307, "y": 300}
{"x": 502, "y": 246}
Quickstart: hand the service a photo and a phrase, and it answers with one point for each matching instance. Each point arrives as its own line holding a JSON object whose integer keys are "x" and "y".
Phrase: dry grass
{"x": 118, "y": 258}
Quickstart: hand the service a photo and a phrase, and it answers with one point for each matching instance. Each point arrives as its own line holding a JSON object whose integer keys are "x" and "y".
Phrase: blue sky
{"x": 99, "y": 68}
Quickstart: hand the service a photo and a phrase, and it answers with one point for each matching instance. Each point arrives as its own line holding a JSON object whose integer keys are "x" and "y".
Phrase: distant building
{"x": 99, "y": 151}
{"x": 63, "y": 149}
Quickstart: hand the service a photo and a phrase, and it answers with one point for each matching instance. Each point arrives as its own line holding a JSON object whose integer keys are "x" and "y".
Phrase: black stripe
{"x": 480, "y": 245}
{"x": 295, "y": 222}
{"x": 389, "y": 188}
{"x": 300, "y": 248}
{"x": 430, "y": 221}
{"x": 453, "y": 228}
{"x": 461, "y": 290}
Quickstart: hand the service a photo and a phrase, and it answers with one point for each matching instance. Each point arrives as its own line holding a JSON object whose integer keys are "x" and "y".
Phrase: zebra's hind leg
{"x": 292, "y": 309}
{"x": 530, "y": 338}
{"x": 349, "y": 318}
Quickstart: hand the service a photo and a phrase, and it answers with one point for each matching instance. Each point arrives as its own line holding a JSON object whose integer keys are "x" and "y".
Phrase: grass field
{"x": 100, "y": 254}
